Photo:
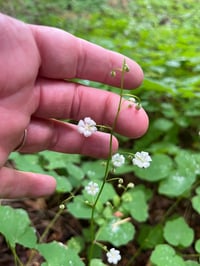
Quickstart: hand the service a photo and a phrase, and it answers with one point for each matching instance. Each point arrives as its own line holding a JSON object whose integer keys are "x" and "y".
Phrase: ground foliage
{"x": 163, "y": 207}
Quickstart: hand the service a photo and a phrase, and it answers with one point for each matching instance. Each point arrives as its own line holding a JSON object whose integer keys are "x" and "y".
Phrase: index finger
{"x": 63, "y": 56}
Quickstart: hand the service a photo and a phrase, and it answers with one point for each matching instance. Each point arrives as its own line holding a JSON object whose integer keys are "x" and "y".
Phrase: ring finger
{"x": 50, "y": 134}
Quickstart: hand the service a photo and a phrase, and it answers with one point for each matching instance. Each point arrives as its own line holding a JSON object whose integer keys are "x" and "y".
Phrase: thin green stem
{"x": 132, "y": 96}
{"x": 16, "y": 258}
{"x": 92, "y": 224}
{"x": 50, "y": 225}
{"x": 45, "y": 234}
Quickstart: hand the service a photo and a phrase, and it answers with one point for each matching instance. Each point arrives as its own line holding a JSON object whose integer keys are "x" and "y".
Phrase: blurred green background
{"x": 162, "y": 36}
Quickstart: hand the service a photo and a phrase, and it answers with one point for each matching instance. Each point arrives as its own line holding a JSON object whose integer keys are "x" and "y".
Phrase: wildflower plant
{"x": 111, "y": 214}
{"x": 117, "y": 160}
{"x": 133, "y": 209}
{"x": 97, "y": 202}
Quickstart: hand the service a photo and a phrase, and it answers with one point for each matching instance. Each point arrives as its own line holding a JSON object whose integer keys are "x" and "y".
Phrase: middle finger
{"x": 67, "y": 100}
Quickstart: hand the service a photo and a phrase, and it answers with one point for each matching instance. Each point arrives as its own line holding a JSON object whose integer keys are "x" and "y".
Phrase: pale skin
{"x": 35, "y": 62}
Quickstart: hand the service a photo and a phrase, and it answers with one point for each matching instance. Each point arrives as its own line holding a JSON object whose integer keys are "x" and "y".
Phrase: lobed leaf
{"x": 135, "y": 203}
{"x": 197, "y": 245}
{"x": 191, "y": 263}
{"x": 15, "y": 226}
{"x": 177, "y": 183}
{"x": 150, "y": 236}
{"x": 159, "y": 169}
{"x": 116, "y": 233}
{"x": 94, "y": 169}
{"x": 178, "y": 233}
{"x": 79, "y": 208}
{"x": 97, "y": 262}
{"x": 57, "y": 254}
{"x": 164, "y": 255}
{"x": 196, "y": 203}
{"x": 55, "y": 160}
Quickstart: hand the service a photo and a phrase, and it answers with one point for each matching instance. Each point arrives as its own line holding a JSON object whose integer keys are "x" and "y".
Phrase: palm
{"x": 19, "y": 64}
{"x": 34, "y": 93}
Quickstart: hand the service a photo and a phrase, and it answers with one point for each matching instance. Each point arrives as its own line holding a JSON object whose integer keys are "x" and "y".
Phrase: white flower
{"x": 142, "y": 159}
{"x": 118, "y": 160}
{"x": 87, "y": 126}
{"x": 113, "y": 256}
{"x": 92, "y": 188}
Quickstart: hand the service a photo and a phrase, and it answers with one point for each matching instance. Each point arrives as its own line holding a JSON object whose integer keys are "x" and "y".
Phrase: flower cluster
{"x": 87, "y": 127}
{"x": 141, "y": 159}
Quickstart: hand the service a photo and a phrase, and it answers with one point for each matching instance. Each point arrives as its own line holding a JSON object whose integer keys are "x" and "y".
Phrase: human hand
{"x": 35, "y": 63}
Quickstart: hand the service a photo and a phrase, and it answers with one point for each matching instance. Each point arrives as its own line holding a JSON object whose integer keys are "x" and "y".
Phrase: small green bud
{"x": 130, "y": 156}
{"x": 105, "y": 248}
{"x": 113, "y": 73}
{"x": 138, "y": 106}
{"x": 126, "y": 68}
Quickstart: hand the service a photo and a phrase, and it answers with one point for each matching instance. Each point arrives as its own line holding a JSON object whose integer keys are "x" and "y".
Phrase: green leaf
{"x": 107, "y": 194}
{"x": 178, "y": 233}
{"x": 159, "y": 169}
{"x": 15, "y": 226}
{"x": 188, "y": 161}
{"x": 56, "y": 254}
{"x": 62, "y": 182}
{"x": 163, "y": 124}
{"x": 177, "y": 183}
{"x": 197, "y": 246}
{"x": 57, "y": 160}
{"x": 94, "y": 169}
{"x": 191, "y": 263}
{"x": 75, "y": 175}
{"x": 197, "y": 190}
{"x": 156, "y": 86}
{"x": 135, "y": 202}
{"x": 75, "y": 171}
{"x": 196, "y": 203}
{"x": 28, "y": 162}
{"x": 76, "y": 243}
{"x": 150, "y": 236}
{"x": 79, "y": 208}
{"x": 97, "y": 262}
{"x": 124, "y": 169}
{"x": 164, "y": 255}
{"x": 116, "y": 233}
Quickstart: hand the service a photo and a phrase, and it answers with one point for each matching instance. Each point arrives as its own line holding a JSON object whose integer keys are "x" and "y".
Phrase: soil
{"x": 42, "y": 210}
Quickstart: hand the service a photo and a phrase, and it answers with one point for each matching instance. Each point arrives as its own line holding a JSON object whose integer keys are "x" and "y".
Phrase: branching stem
{"x": 106, "y": 174}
